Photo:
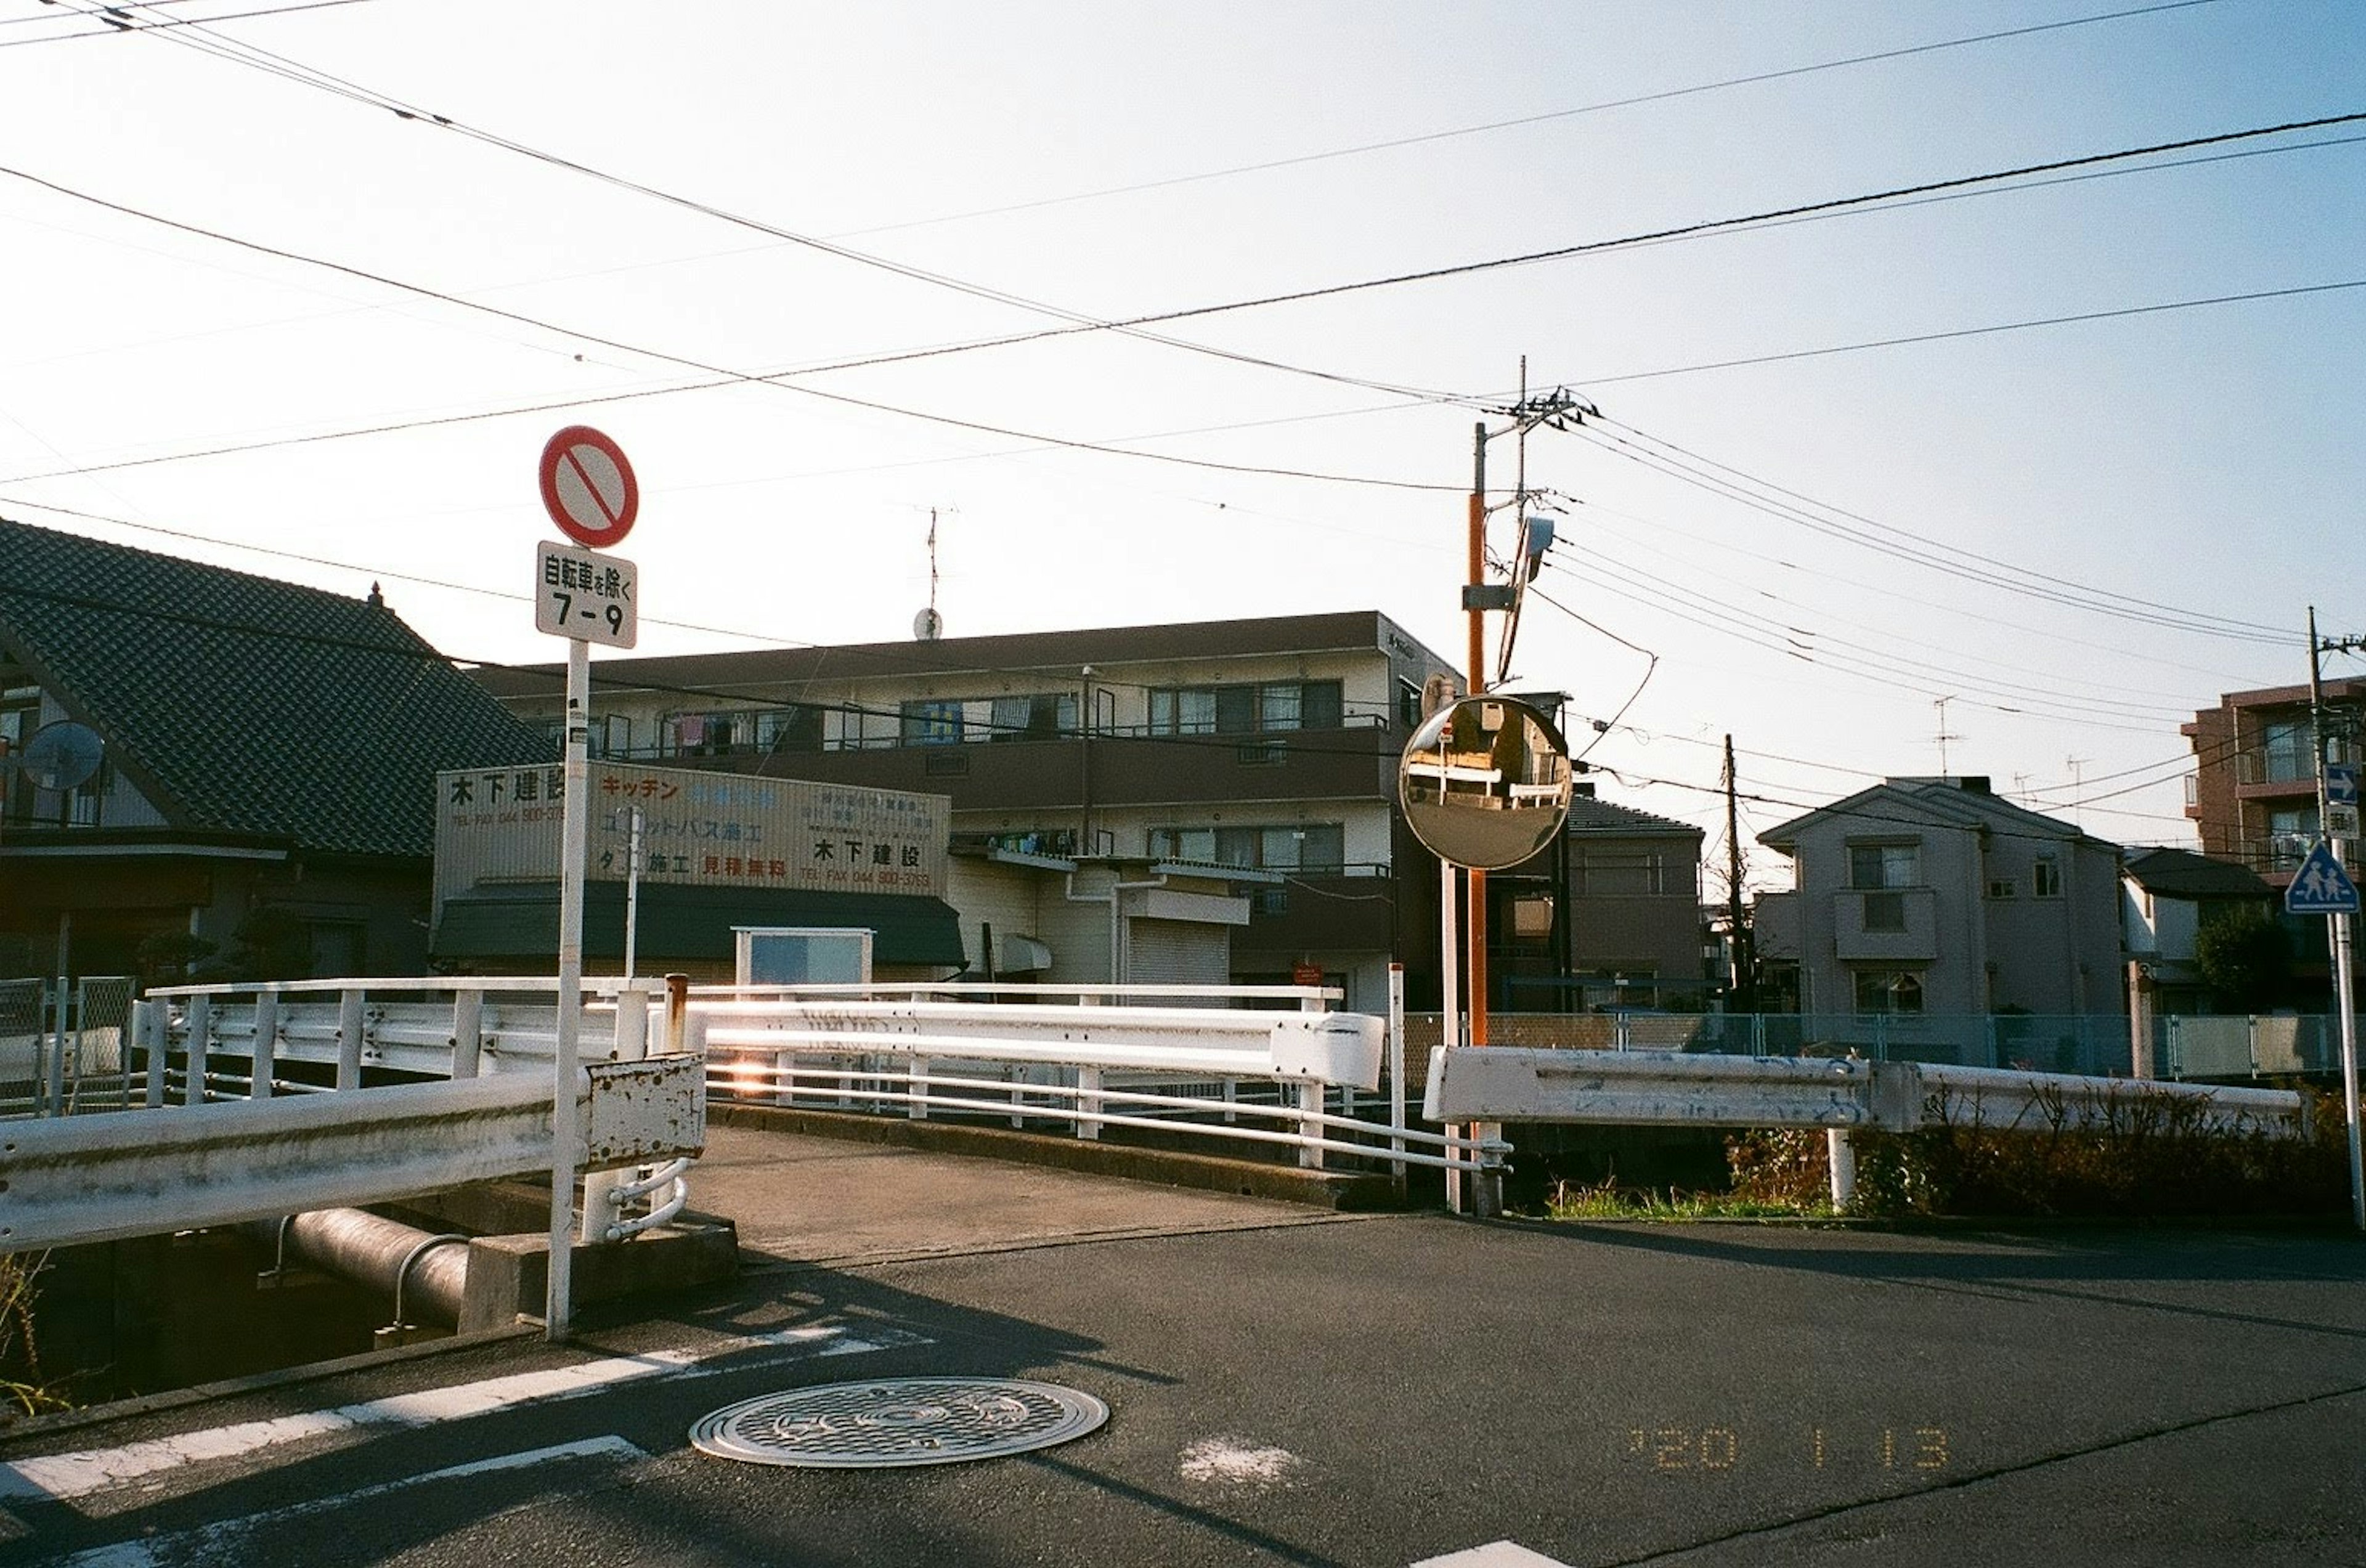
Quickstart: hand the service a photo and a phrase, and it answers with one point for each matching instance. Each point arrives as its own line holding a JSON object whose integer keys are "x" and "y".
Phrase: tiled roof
{"x": 1589, "y": 814}
{"x": 242, "y": 704}
{"x": 2181, "y": 873}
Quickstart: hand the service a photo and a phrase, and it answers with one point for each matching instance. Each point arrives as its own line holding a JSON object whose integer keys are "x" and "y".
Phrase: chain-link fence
{"x": 93, "y": 1070}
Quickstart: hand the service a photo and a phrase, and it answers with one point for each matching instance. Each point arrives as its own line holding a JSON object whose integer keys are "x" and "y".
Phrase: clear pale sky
{"x": 1096, "y": 162}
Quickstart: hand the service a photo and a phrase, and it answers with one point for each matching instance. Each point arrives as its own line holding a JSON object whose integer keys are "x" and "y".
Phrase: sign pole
{"x": 2345, "y": 1003}
{"x": 565, "y": 1132}
{"x": 2345, "y": 998}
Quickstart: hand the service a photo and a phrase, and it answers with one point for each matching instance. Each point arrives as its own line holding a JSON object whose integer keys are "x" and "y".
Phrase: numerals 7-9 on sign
{"x": 581, "y": 594}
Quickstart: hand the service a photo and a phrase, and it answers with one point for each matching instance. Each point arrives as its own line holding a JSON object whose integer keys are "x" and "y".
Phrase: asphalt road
{"x": 1380, "y": 1391}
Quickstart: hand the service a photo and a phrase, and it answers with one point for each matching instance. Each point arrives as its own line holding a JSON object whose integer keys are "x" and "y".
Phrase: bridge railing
{"x": 1228, "y": 1066}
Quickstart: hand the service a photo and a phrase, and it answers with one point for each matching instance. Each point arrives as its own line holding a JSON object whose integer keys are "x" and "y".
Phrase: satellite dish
{"x": 1486, "y": 783}
{"x": 928, "y": 626}
{"x": 64, "y": 755}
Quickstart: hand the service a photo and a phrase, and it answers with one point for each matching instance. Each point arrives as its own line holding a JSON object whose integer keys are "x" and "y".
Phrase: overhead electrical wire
{"x": 1593, "y": 512}
{"x": 115, "y": 26}
{"x": 2177, "y": 701}
{"x": 1077, "y": 321}
{"x": 728, "y": 377}
{"x": 1548, "y": 116}
{"x": 1952, "y": 560}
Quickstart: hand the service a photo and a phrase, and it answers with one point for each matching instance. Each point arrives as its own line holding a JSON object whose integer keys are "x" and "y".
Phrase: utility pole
{"x": 2338, "y": 925}
{"x": 1740, "y": 968}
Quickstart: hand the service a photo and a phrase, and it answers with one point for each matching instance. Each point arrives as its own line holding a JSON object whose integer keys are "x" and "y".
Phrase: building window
{"x": 1885, "y": 865}
{"x": 1620, "y": 871}
{"x": 1245, "y": 710}
{"x": 2045, "y": 878}
{"x": 2003, "y": 888}
{"x": 2287, "y": 751}
{"x": 1889, "y": 991}
{"x": 1408, "y": 705}
{"x": 1310, "y": 847}
{"x": 930, "y": 722}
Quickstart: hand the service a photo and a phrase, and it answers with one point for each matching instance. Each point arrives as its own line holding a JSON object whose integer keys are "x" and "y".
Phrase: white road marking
{"x": 1496, "y": 1554}
{"x": 227, "y": 1539}
{"x": 1237, "y": 1461}
{"x": 63, "y": 1477}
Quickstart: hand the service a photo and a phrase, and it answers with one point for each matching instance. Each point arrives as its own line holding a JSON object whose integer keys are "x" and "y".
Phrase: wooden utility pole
{"x": 1739, "y": 967}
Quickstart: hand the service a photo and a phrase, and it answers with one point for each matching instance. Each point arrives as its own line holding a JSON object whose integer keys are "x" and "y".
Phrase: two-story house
{"x": 265, "y": 765}
{"x": 1928, "y": 899}
{"x": 1608, "y": 918}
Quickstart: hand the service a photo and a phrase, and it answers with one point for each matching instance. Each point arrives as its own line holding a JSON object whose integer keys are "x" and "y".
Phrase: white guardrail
{"x": 1679, "y": 1089}
{"x": 1064, "y": 1055}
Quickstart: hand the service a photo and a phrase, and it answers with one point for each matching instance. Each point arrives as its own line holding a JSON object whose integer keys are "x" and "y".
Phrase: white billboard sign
{"x": 702, "y": 828}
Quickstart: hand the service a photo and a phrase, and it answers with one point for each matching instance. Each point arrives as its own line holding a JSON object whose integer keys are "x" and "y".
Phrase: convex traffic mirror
{"x": 1485, "y": 783}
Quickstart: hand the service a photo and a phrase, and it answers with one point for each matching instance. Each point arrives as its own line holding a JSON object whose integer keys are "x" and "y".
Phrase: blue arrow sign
{"x": 2321, "y": 886}
{"x": 2340, "y": 783}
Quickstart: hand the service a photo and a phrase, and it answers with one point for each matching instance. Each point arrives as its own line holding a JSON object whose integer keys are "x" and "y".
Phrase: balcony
{"x": 1891, "y": 923}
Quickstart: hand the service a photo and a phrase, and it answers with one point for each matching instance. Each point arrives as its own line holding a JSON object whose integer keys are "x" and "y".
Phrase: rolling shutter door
{"x": 1178, "y": 953}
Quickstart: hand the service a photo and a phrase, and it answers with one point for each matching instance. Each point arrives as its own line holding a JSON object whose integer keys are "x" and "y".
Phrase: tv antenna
{"x": 1940, "y": 703}
{"x": 928, "y": 625}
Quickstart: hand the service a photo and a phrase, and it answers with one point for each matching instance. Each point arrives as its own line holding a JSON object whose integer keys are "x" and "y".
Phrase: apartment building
{"x": 2252, "y": 795}
{"x": 1266, "y": 747}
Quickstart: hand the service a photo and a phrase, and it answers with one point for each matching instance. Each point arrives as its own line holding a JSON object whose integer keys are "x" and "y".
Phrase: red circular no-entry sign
{"x": 588, "y": 487}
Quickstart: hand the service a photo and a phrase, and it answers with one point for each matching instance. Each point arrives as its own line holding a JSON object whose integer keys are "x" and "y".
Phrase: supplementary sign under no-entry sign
{"x": 2321, "y": 886}
{"x": 581, "y": 594}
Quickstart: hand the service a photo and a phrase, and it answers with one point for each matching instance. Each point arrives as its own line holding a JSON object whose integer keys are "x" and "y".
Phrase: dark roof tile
{"x": 243, "y": 703}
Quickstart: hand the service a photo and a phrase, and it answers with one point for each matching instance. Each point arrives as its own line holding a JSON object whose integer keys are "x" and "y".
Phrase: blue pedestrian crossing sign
{"x": 2321, "y": 886}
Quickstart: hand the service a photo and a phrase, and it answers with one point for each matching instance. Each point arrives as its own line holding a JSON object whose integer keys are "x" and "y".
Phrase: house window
{"x": 1885, "y": 865}
{"x": 1615, "y": 872}
{"x": 2045, "y": 878}
{"x": 2003, "y": 888}
{"x": 1408, "y": 705}
{"x": 1885, "y": 912}
{"x": 1889, "y": 991}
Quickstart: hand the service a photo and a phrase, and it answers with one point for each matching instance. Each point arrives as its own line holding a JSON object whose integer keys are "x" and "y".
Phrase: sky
{"x": 2037, "y": 465}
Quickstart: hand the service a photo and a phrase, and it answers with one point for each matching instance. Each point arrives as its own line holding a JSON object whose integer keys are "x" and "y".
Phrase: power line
{"x": 728, "y": 377}
{"x": 1522, "y": 122}
{"x": 1908, "y": 339}
{"x": 1855, "y": 528}
{"x": 2117, "y": 690}
{"x": 280, "y": 65}
{"x": 116, "y": 26}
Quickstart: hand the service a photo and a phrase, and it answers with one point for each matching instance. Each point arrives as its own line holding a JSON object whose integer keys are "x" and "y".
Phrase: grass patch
{"x": 1608, "y": 1201}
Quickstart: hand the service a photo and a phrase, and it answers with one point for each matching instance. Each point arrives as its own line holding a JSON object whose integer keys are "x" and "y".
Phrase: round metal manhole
{"x": 898, "y": 1421}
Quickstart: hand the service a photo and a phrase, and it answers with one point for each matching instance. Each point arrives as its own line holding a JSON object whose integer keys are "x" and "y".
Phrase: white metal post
{"x": 1842, "y": 1156}
{"x": 1449, "y": 1025}
{"x": 262, "y": 1062}
{"x": 201, "y": 1029}
{"x": 633, "y": 893}
{"x": 603, "y": 1200}
{"x": 1396, "y": 1072}
{"x": 565, "y": 1134}
{"x": 351, "y": 1020}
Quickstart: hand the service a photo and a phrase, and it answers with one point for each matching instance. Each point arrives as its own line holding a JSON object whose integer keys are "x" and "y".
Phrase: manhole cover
{"x": 898, "y": 1421}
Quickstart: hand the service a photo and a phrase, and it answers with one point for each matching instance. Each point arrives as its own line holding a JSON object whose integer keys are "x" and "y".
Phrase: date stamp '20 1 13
{"x": 1706, "y": 1451}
